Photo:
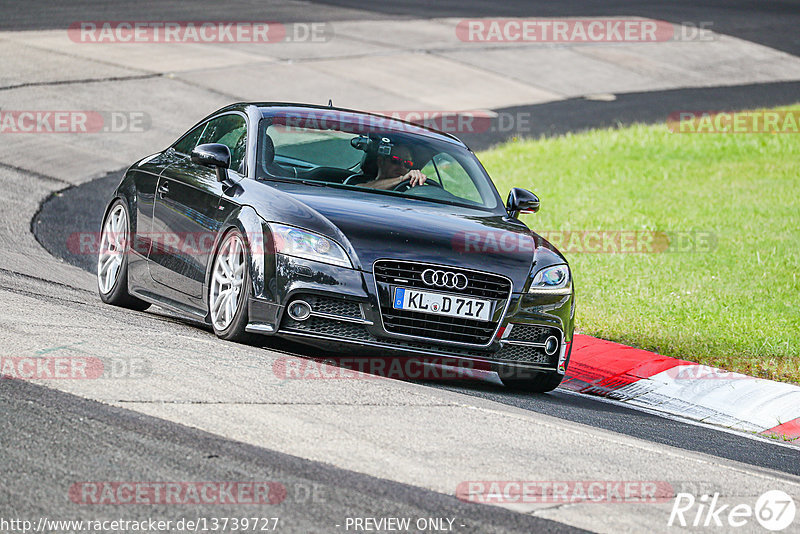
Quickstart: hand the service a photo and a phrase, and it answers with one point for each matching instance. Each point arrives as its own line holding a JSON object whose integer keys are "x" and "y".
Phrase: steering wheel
{"x": 405, "y": 185}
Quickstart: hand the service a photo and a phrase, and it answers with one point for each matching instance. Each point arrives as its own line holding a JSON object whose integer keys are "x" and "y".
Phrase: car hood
{"x": 383, "y": 226}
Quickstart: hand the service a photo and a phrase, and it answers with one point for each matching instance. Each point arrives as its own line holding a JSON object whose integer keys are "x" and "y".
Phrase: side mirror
{"x": 521, "y": 201}
{"x": 214, "y": 155}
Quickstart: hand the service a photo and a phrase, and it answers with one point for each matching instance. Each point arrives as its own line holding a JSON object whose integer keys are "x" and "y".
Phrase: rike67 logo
{"x": 775, "y": 511}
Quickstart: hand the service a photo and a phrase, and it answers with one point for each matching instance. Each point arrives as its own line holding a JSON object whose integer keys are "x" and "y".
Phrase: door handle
{"x": 163, "y": 189}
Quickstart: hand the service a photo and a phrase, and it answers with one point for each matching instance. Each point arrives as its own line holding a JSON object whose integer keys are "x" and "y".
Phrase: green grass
{"x": 737, "y": 306}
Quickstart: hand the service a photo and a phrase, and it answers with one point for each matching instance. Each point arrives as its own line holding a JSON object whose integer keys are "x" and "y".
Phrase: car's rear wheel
{"x": 539, "y": 383}
{"x": 229, "y": 289}
{"x": 112, "y": 260}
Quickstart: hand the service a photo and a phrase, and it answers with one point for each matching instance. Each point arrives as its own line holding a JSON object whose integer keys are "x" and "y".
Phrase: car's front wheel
{"x": 229, "y": 289}
{"x": 538, "y": 383}
{"x": 112, "y": 260}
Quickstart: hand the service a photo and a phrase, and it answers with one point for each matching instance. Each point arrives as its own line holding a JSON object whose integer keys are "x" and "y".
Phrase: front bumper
{"x": 346, "y": 318}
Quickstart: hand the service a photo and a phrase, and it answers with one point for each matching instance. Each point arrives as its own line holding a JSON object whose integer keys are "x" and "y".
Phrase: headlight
{"x": 304, "y": 244}
{"x": 555, "y": 279}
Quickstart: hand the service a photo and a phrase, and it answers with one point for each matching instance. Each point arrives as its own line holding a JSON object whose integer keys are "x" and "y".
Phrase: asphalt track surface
{"x": 64, "y": 215}
{"x": 653, "y": 107}
{"x": 771, "y": 23}
{"x": 98, "y": 442}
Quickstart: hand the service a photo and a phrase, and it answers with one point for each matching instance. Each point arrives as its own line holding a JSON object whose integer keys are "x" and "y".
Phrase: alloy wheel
{"x": 113, "y": 243}
{"x": 227, "y": 282}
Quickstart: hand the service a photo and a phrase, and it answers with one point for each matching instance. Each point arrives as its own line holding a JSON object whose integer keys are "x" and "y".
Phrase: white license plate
{"x": 440, "y": 304}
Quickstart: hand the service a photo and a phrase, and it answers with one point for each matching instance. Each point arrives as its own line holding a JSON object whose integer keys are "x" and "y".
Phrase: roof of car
{"x": 319, "y": 114}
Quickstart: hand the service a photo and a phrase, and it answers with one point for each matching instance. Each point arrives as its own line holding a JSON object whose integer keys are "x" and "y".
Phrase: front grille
{"x": 390, "y": 274}
{"x": 409, "y": 274}
{"x": 328, "y": 327}
{"x": 333, "y": 330}
{"x": 437, "y": 326}
{"x": 341, "y": 307}
{"x": 525, "y": 354}
{"x": 533, "y": 333}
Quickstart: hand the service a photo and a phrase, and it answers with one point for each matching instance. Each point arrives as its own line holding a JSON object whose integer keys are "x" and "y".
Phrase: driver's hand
{"x": 415, "y": 178}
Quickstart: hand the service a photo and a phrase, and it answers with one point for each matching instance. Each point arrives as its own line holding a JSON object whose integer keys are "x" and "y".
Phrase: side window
{"x": 189, "y": 141}
{"x": 231, "y": 131}
{"x": 429, "y": 170}
{"x": 455, "y": 179}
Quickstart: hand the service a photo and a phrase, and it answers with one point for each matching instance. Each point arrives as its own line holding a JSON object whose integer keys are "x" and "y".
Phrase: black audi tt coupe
{"x": 343, "y": 230}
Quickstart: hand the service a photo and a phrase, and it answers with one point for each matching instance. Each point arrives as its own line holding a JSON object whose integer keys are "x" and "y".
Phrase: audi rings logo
{"x": 446, "y": 279}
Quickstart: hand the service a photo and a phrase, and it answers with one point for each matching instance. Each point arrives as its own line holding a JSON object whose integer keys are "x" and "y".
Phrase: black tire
{"x": 235, "y": 331}
{"x": 118, "y": 294}
{"x": 539, "y": 383}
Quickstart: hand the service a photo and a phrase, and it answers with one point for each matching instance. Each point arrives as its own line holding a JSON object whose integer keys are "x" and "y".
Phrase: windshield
{"x": 363, "y": 157}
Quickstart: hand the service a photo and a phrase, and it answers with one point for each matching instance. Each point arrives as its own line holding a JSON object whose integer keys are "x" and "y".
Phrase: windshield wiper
{"x": 293, "y": 181}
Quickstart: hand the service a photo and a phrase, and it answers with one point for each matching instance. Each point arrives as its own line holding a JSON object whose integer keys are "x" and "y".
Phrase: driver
{"x": 396, "y": 169}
